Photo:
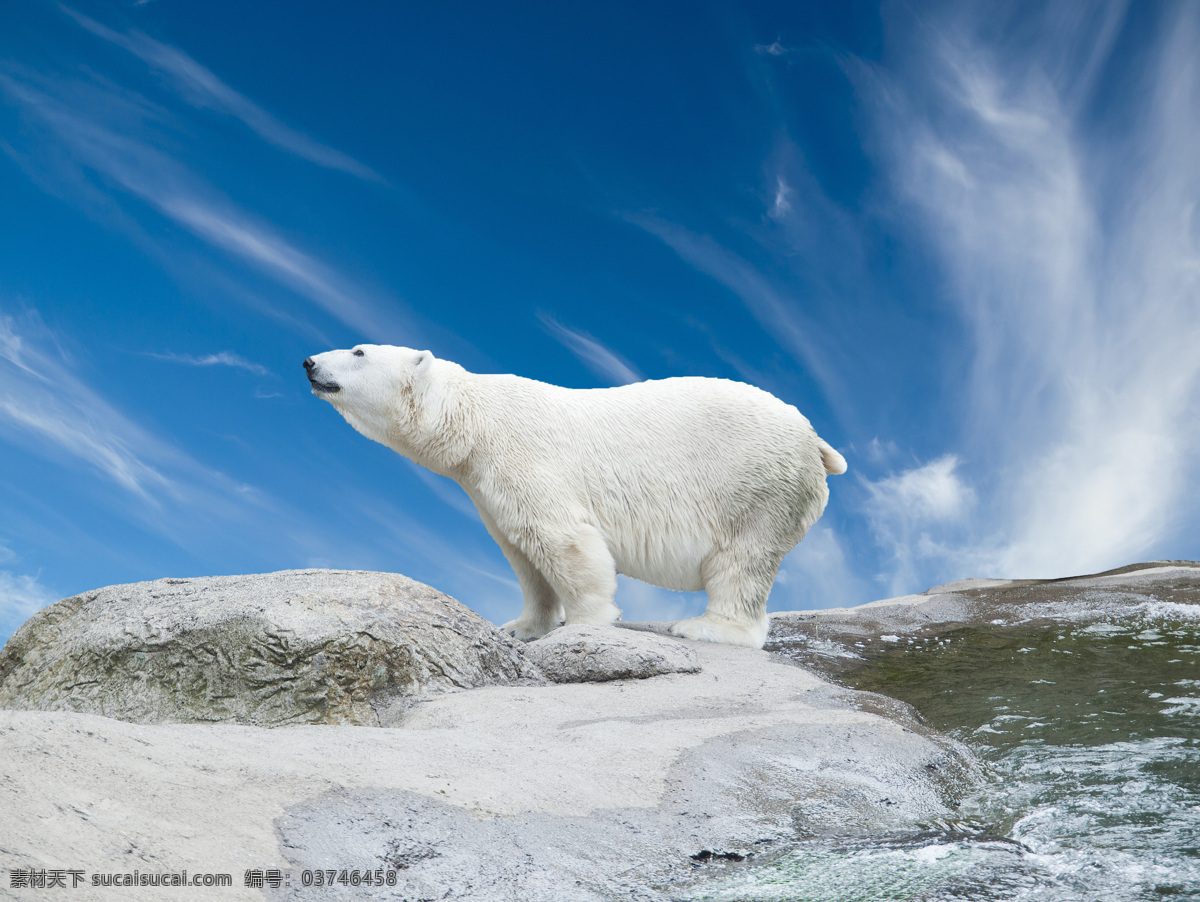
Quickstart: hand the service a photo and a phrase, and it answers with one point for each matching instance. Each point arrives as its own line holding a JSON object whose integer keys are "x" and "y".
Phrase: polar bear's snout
{"x": 320, "y": 381}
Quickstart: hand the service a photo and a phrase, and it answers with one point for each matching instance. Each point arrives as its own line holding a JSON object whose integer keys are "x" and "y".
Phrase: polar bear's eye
{"x": 358, "y": 352}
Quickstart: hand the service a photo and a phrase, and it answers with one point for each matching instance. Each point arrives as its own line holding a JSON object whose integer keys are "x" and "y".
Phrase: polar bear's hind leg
{"x": 738, "y": 581}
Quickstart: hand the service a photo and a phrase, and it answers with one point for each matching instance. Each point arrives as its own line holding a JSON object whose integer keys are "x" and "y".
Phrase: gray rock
{"x": 588, "y": 654}
{"x": 735, "y": 797}
{"x": 561, "y": 792}
{"x": 978, "y": 601}
{"x": 839, "y": 640}
{"x": 296, "y": 647}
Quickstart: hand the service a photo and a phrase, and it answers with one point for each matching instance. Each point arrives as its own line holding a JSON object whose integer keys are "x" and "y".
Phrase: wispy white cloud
{"x": 603, "y": 361}
{"x": 400, "y": 536}
{"x": 819, "y": 573}
{"x": 880, "y": 452}
{"x": 21, "y": 596}
{"x": 223, "y": 358}
{"x": 52, "y": 409}
{"x": 45, "y": 401}
{"x": 914, "y": 514}
{"x": 1075, "y": 260}
{"x": 933, "y": 492}
{"x": 228, "y": 228}
{"x": 202, "y": 88}
{"x": 781, "y": 205}
{"x": 773, "y": 49}
{"x": 780, "y": 316}
{"x": 95, "y": 125}
{"x": 445, "y": 489}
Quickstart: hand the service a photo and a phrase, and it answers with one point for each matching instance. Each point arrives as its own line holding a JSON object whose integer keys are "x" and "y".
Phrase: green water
{"x": 1090, "y": 735}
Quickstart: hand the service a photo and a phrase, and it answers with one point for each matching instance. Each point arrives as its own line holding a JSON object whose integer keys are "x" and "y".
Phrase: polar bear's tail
{"x": 835, "y": 464}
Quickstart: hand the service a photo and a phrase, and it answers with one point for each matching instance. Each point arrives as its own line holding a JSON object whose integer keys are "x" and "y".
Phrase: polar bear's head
{"x": 395, "y": 396}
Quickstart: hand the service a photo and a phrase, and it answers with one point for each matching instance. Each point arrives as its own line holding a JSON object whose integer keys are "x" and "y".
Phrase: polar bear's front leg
{"x": 582, "y": 572}
{"x": 542, "y": 612}
{"x": 543, "y": 609}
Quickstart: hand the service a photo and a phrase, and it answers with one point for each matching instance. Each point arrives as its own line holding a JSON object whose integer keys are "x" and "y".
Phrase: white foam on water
{"x": 886, "y": 874}
{"x": 1169, "y": 610}
{"x": 1189, "y": 707}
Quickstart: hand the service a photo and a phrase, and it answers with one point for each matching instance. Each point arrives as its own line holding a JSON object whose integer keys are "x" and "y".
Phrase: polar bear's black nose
{"x": 309, "y": 364}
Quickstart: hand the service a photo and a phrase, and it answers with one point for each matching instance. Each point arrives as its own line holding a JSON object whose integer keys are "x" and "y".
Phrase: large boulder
{"x": 296, "y": 647}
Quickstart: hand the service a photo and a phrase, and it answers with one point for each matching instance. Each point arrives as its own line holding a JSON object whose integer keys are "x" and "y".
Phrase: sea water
{"x": 1090, "y": 737}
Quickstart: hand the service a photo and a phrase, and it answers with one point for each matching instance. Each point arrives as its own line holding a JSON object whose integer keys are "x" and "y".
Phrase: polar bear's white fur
{"x": 686, "y": 483}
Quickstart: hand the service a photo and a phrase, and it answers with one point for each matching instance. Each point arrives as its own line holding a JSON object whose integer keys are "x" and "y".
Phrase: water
{"x": 1090, "y": 735}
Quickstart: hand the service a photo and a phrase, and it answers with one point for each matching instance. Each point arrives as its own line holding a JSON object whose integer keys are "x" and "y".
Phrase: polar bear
{"x": 686, "y": 483}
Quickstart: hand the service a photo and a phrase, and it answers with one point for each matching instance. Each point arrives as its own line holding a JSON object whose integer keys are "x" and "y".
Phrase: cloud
{"x": 818, "y": 574}
{"x": 604, "y": 362}
{"x": 50, "y": 408}
{"x": 445, "y": 489}
{"x": 48, "y": 403}
{"x": 202, "y": 88}
{"x": 231, "y": 230}
{"x": 779, "y": 316}
{"x": 95, "y": 124}
{"x": 781, "y": 205}
{"x": 917, "y": 518}
{"x": 223, "y": 358}
{"x": 400, "y": 535}
{"x": 1071, "y": 251}
{"x": 931, "y": 493}
{"x": 880, "y": 452}
{"x": 21, "y": 596}
{"x": 773, "y": 49}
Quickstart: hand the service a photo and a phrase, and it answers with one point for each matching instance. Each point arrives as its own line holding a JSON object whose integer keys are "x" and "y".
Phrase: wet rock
{"x": 841, "y": 640}
{"x": 966, "y": 602}
{"x": 587, "y": 654}
{"x": 296, "y": 647}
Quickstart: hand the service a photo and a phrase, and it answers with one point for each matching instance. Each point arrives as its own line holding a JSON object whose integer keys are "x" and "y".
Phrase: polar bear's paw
{"x": 527, "y": 630}
{"x": 723, "y": 631}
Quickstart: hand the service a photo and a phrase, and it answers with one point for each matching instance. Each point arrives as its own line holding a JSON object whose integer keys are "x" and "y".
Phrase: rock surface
{"x": 581, "y": 654}
{"x": 633, "y": 789}
{"x": 839, "y": 639}
{"x": 301, "y": 646}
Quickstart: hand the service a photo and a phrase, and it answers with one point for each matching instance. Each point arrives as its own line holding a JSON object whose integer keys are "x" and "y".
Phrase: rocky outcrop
{"x": 586, "y": 654}
{"x": 1112, "y": 593}
{"x": 561, "y": 792}
{"x": 581, "y": 785}
{"x": 296, "y": 647}
{"x": 837, "y": 640}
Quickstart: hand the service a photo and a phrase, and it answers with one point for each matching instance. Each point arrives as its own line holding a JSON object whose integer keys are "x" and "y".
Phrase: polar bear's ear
{"x": 424, "y": 358}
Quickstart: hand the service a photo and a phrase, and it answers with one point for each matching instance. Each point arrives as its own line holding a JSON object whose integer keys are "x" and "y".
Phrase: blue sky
{"x": 962, "y": 238}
